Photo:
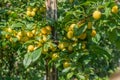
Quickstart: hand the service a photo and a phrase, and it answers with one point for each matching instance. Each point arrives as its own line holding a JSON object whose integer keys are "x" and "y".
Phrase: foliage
{"x": 87, "y": 45}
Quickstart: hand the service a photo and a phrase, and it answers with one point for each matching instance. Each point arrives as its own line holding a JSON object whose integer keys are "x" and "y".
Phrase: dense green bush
{"x": 86, "y": 45}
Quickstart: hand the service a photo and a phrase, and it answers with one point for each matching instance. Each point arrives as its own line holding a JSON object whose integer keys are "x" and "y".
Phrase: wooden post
{"x": 51, "y": 6}
{"x": 51, "y": 14}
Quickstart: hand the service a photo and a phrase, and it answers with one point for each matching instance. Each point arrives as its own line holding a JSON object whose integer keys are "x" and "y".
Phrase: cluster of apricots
{"x": 42, "y": 36}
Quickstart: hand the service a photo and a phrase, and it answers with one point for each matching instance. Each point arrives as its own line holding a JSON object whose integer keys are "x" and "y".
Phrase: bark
{"x": 51, "y": 14}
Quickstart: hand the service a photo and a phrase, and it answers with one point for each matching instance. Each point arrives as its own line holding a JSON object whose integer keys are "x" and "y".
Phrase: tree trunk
{"x": 51, "y": 14}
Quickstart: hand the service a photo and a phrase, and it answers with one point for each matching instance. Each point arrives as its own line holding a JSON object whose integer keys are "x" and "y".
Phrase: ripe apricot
{"x": 82, "y": 36}
{"x": 93, "y": 33}
{"x": 69, "y": 34}
{"x": 30, "y": 48}
{"x": 115, "y": 9}
{"x": 96, "y": 15}
{"x": 66, "y": 64}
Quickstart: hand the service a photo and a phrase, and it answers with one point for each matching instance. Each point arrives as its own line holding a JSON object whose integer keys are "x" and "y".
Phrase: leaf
{"x": 69, "y": 75}
{"x": 27, "y": 60}
{"x": 14, "y": 15}
{"x": 117, "y": 43}
{"x": 96, "y": 38}
{"x": 113, "y": 36}
{"x": 107, "y": 12}
{"x": 31, "y": 57}
{"x": 18, "y": 52}
{"x": 69, "y": 15}
{"x": 80, "y": 30}
{"x": 2, "y": 11}
{"x": 36, "y": 54}
{"x": 14, "y": 39}
{"x": 100, "y": 51}
{"x": 66, "y": 70}
{"x": 30, "y": 26}
{"x": 82, "y": 77}
{"x": 28, "y": 42}
{"x": 17, "y": 25}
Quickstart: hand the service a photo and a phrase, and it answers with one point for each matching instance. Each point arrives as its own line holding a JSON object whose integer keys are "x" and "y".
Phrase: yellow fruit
{"x": 61, "y": 46}
{"x": 44, "y": 38}
{"x": 93, "y": 33}
{"x": 71, "y": 28}
{"x": 66, "y": 64}
{"x": 14, "y": 33}
{"x": 31, "y": 48}
{"x": 29, "y": 34}
{"x": 75, "y": 39}
{"x": 39, "y": 34}
{"x": 44, "y": 31}
{"x": 35, "y": 48}
{"x": 82, "y": 36}
{"x": 29, "y": 9}
{"x": 19, "y": 34}
{"x": 28, "y": 13}
{"x": 11, "y": 40}
{"x": 70, "y": 34}
{"x": 52, "y": 47}
{"x": 55, "y": 56}
{"x": 9, "y": 30}
{"x": 41, "y": 41}
{"x": 89, "y": 26}
{"x": 42, "y": 9}
{"x": 115, "y": 9}
{"x": 48, "y": 28}
{"x": 70, "y": 48}
{"x": 39, "y": 44}
{"x": 34, "y": 31}
{"x": 32, "y": 14}
{"x": 25, "y": 39}
{"x": 74, "y": 44}
{"x": 18, "y": 37}
{"x": 44, "y": 51}
{"x": 80, "y": 25}
{"x": 34, "y": 9}
{"x": 96, "y": 15}
{"x": 83, "y": 46}
{"x": 7, "y": 36}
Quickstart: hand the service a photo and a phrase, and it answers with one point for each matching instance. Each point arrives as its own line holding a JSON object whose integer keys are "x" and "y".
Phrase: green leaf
{"x": 66, "y": 70}
{"x": 96, "y": 38}
{"x": 14, "y": 15}
{"x": 100, "y": 51}
{"x": 2, "y": 11}
{"x": 107, "y": 12}
{"x": 18, "y": 52}
{"x": 30, "y": 26}
{"x": 14, "y": 39}
{"x": 118, "y": 43}
{"x": 113, "y": 36}
{"x": 69, "y": 75}
{"x": 82, "y": 77}
{"x": 28, "y": 42}
{"x": 27, "y": 60}
{"x": 36, "y": 54}
{"x": 16, "y": 25}
{"x": 80, "y": 30}
{"x": 31, "y": 57}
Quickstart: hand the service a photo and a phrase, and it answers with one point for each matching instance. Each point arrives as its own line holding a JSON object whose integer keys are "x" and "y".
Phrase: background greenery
{"x": 92, "y": 58}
